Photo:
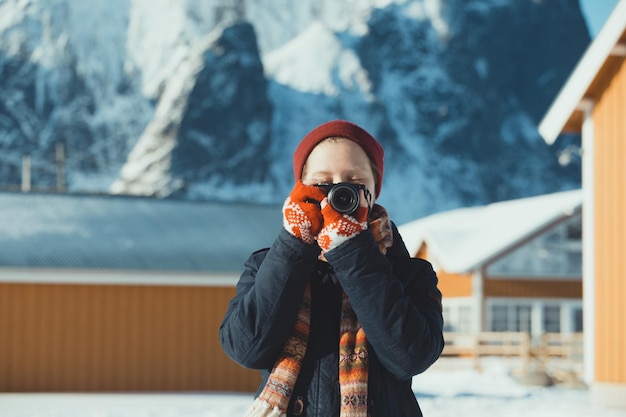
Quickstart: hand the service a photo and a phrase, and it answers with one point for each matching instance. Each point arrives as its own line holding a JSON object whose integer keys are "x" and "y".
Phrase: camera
{"x": 344, "y": 196}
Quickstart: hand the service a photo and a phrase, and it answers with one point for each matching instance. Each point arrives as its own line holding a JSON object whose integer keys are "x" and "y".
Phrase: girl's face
{"x": 339, "y": 160}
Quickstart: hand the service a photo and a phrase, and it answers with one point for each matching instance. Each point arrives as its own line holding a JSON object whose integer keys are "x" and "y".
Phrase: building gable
{"x": 557, "y": 253}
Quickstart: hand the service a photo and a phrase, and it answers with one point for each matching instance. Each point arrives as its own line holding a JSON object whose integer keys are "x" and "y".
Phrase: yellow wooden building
{"x": 121, "y": 294}
{"x": 593, "y": 103}
{"x": 512, "y": 266}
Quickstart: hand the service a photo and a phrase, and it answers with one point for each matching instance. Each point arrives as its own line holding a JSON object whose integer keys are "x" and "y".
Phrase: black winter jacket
{"x": 394, "y": 296}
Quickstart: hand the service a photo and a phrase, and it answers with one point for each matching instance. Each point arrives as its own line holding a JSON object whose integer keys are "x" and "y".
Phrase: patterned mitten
{"x": 339, "y": 227}
{"x": 302, "y": 216}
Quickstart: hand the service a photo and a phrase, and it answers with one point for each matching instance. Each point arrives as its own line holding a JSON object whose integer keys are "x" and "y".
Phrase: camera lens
{"x": 344, "y": 198}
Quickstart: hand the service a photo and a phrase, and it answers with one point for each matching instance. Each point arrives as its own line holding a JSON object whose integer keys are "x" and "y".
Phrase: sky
{"x": 596, "y": 12}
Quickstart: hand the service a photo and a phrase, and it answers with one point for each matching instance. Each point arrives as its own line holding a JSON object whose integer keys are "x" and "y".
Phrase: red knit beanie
{"x": 344, "y": 129}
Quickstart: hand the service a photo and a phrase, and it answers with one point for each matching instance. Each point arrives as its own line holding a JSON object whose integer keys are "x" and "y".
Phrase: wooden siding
{"x": 610, "y": 67}
{"x": 532, "y": 288}
{"x": 67, "y": 337}
{"x": 450, "y": 285}
{"x": 610, "y": 228}
{"x": 422, "y": 252}
{"x": 455, "y": 285}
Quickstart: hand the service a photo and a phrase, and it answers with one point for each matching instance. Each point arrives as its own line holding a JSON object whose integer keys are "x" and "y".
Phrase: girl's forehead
{"x": 333, "y": 157}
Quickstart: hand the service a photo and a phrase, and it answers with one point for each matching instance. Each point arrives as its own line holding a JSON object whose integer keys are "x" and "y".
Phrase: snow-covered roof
{"x": 53, "y": 231}
{"x": 464, "y": 239}
{"x": 565, "y": 111}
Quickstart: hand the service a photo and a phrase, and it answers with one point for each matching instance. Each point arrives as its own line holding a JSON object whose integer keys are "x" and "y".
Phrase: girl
{"x": 336, "y": 314}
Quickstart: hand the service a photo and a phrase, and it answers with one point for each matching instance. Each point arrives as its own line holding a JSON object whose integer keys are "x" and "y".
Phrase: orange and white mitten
{"x": 339, "y": 227}
{"x": 302, "y": 216}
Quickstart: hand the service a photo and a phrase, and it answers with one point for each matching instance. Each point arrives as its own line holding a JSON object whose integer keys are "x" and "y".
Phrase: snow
{"x": 99, "y": 26}
{"x": 451, "y": 387}
{"x": 123, "y": 405}
{"x": 431, "y": 10}
{"x": 161, "y": 34}
{"x": 307, "y": 72}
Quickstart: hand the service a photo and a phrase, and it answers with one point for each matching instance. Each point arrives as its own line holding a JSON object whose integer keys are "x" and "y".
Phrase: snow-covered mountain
{"x": 207, "y": 100}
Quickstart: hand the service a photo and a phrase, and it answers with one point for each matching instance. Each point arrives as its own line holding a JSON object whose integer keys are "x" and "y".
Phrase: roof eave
{"x": 565, "y": 113}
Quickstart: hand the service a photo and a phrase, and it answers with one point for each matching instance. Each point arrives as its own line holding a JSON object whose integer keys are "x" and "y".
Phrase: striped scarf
{"x": 353, "y": 357}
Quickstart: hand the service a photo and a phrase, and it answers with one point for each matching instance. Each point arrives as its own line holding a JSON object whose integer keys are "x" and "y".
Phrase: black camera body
{"x": 344, "y": 196}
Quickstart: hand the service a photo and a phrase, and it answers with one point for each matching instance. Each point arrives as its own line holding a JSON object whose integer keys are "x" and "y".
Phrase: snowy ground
{"x": 451, "y": 387}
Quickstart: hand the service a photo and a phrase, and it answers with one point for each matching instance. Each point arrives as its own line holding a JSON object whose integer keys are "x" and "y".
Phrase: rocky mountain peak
{"x": 208, "y": 100}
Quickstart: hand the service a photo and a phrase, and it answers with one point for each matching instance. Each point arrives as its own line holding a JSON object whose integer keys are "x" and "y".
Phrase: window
{"x": 534, "y": 316}
{"x": 522, "y": 320}
{"x": 578, "y": 319}
{"x": 552, "y": 319}
{"x": 465, "y": 319}
{"x": 458, "y": 316}
{"x": 510, "y": 318}
{"x": 499, "y": 318}
{"x": 447, "y": 320}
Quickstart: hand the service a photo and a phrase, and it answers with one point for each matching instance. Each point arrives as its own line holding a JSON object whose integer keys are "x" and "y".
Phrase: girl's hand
{"x": 302, "y": 216}
{"x": 339, "y": 227}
